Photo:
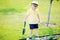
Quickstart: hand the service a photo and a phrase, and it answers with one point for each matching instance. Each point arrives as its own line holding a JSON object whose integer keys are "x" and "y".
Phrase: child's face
{"x": 34, "y": 7}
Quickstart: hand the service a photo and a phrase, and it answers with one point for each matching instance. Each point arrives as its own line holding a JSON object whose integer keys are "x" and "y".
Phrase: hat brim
{"x": 34, "y": 4}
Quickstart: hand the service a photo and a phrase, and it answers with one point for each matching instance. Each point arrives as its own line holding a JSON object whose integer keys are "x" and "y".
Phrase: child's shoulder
{"x": 28, "y": 10}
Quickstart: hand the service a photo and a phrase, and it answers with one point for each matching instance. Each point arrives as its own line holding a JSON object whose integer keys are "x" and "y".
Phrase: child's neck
{"x": 34, "y": 9}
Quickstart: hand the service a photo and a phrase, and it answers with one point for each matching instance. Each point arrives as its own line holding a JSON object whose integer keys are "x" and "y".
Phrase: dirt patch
{"x": 50, "y": 24}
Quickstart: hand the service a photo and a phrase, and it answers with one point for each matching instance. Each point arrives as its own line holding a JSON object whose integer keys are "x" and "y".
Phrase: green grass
{"x": 12, "y": 14}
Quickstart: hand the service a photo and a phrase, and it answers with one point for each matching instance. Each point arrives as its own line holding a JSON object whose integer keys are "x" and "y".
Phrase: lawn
{"x": 12, "y": 14}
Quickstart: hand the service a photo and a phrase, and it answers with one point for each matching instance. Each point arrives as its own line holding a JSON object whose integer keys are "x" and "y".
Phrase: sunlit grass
{"x": 11, "y": 23}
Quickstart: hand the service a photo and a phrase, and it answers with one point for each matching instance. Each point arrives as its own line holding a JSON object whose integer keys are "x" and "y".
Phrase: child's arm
{"x": 26, "y": 16}
{"x": 38, "y": 17}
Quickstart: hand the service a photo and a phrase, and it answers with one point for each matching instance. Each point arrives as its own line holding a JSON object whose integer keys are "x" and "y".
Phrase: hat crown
{"x": 35, "y": 2}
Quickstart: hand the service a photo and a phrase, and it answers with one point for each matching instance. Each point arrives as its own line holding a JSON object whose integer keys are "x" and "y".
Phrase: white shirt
{"x": 32, "y": 17}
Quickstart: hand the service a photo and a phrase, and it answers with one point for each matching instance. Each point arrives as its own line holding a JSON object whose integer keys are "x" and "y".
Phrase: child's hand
{"x": 24, "y": 20}
{"x": 39, "y": 21}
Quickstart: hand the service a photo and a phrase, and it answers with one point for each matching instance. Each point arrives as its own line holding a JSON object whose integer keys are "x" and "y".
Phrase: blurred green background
{"x": 12, "y": 14}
